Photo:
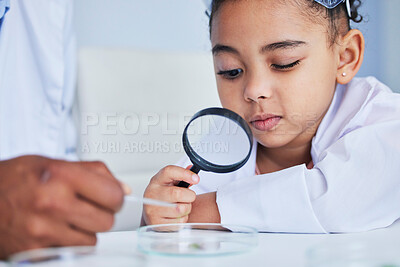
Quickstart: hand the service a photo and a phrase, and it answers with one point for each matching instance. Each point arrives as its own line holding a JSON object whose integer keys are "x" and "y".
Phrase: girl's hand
{"x": 163, "y": 187}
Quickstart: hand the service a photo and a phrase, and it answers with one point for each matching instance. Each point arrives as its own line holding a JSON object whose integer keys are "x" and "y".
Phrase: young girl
{"x": 327, "y": 151}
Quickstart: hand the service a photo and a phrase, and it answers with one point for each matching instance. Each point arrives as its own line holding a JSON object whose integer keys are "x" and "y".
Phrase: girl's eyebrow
{"x": 287, "y": 44}
{"x": 218, "y": 48}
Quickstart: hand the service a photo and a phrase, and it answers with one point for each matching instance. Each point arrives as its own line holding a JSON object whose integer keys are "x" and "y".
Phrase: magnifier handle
{"x": 194, "y": 169}
{"x": 183, "y": 184}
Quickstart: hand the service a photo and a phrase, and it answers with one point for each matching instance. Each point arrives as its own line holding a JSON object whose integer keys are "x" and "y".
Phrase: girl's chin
{"x": 272, "y": 141}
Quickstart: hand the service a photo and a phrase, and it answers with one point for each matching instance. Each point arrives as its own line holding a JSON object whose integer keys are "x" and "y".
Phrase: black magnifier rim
{"x": 209, "y": 166}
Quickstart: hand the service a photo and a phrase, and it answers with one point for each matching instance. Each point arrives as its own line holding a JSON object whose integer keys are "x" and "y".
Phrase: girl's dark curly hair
{"x": 337, "y": 18}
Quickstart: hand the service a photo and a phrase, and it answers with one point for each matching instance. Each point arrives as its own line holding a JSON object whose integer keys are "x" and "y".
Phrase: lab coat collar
{"x": 321, "y": 139}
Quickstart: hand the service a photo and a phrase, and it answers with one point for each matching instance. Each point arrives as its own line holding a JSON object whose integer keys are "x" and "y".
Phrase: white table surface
{"x": 273, "y": 250}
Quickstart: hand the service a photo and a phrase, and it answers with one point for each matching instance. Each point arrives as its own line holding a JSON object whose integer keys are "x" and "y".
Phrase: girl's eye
{"x": 285, "y": 67}
{"x": 230, "y": 74}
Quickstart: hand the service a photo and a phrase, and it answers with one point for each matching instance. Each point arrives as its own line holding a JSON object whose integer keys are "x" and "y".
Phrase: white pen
{"x": 149, "y": 201}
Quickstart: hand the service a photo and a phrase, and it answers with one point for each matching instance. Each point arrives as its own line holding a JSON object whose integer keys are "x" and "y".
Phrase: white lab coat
{"x": 37, "y": 79}
{"x": 354, "y": 185}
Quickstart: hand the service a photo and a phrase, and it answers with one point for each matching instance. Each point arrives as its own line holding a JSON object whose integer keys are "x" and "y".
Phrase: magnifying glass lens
{"x": 218, "y": 139}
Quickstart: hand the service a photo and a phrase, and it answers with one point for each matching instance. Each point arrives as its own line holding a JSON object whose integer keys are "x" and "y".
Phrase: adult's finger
{"x": 103, "y": 190}
{"x": 310, "y": 165}
{"x": 44, "y": 231}
{"x": 59, "y": 202}
{"x": 74, "y": 237}
{"x": 89, "y": 218}
{"x": 96, "y": 166}
{"x": 102, "y": 169}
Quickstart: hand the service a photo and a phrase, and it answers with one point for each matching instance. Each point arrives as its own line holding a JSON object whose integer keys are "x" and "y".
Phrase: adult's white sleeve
{"x": 354, "y": 186}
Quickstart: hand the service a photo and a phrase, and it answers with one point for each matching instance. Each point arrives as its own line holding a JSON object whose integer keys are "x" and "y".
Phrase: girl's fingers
{"x": 171, "y": 175}
{"x": 181, "y": 210}
{"x": 176, "y": 194}
{"x": 183, "y": 219}
{"x": 172, "y": 194}
{"x": 162, "y": 187}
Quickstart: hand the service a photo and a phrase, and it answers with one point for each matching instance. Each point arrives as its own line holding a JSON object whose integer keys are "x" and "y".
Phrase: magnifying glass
{"x": 217, "y": 140}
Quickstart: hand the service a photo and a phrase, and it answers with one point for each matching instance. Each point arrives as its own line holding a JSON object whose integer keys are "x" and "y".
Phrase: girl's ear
{"x": 351, "y": 53}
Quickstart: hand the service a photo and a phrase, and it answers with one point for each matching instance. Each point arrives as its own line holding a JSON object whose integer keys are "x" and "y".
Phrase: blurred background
{"x": 145, "y": 68}
{"x": 181, "y": 25}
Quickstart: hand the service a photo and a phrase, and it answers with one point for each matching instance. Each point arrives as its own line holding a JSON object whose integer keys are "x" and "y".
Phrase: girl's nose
{"x": 258, "y": 87}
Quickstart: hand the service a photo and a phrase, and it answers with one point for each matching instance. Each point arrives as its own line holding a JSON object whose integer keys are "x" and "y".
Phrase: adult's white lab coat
{"x": 354, "y": 185}
{"x": 37, "y": 79}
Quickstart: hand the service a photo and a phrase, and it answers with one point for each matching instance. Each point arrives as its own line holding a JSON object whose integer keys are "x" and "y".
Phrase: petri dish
{"x": 354, "y": 254}
{"x": 74, "y": 256}
{"x": 196, "y": 239}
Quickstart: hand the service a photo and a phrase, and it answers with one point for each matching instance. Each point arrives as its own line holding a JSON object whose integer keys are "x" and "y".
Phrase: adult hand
{"x": 45, "y": 202}
{"x": 310, "y": 165}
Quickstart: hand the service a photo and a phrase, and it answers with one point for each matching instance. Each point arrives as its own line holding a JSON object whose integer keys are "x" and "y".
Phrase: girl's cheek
{"x": 233, "y": 103}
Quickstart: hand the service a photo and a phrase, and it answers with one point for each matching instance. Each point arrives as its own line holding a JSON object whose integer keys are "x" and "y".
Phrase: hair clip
{"x": 326, "y": 3}
{"x": 208, "y": 4}
{"x": 334, "y": 3}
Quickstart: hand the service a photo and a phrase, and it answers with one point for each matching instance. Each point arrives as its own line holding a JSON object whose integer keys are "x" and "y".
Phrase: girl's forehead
{"x": 272, "y": 18}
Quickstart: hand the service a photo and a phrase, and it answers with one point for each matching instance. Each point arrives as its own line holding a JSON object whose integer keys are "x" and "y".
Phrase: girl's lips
{"x": 266, "y": 124}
